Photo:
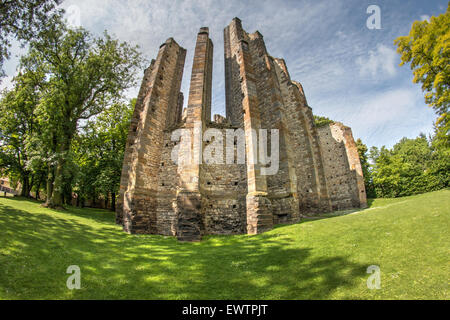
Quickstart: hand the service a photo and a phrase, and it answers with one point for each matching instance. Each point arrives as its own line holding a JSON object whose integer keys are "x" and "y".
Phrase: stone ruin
{"x": 319, "y": 168}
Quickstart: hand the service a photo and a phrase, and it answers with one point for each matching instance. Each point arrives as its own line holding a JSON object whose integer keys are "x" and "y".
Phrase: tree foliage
{"x": 99, "y": 152}
{"x": 366, "y": 168}
{"x": 23, "y": 20}
{"x": 427, "y": 49}
{"x": 18, "y": 126}
{"x": 412, "y": 166}
{"x": 83, "y": 76}
{"x": 322, "y": 121}
{"x": 67, "y": 78}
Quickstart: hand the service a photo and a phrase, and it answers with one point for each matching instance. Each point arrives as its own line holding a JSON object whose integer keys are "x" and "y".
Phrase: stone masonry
{"x": 343, "y": 170}
{"x": 319, "y": 168}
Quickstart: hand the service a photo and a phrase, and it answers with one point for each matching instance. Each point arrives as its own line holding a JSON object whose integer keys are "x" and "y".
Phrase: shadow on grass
{"x": 336, "y": 213}
{"x": 19, "y": 198}
{"x": 370, "y": 202}
{"x": 37, "y": 248}
{"x": 95, "y": 214}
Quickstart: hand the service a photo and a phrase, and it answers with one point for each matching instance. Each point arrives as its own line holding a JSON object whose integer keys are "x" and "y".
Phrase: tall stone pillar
{"x": 156, "y": 103}
{"x": 244, "y": 96}
{"x": 188, "y": 201}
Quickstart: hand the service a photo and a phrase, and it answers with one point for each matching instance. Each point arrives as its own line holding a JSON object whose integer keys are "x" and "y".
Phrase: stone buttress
{"x": 198, "y": 115}
{"x": 342, "y": 166}
{"x": 156, "y": 108}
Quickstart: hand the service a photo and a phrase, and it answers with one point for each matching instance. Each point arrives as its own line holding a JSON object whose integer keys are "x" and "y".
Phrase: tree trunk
{"x": 38, "y": 186}
{"x": 68, "y": 194}
{"x": 113, "y": 201}
{"x": 30, "y": 185}
{"x": 56, "y": 199}
{"x": 50, "y": 180}
{"x": 25, "y": 186}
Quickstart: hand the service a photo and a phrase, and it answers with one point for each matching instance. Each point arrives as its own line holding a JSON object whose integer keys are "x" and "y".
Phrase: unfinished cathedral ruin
{"x": 318, "y": 169}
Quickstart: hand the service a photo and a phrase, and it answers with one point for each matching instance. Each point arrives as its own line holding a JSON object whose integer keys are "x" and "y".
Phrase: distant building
{"x": 5, "y": 186}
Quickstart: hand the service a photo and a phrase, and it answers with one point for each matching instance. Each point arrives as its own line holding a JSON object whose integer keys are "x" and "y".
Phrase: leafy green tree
{"x": 23, "y": 20}
{"x": 439, "y": 167}
{"x": 18, "y": 125}
{"x": 365, "y": 165}
{"x": 427, "y": 49}
{"x": 99, "y": 153}
{"x": 410, "y": 167}
{"x": 83, "y": 76}
{"x": 322, "y": 121}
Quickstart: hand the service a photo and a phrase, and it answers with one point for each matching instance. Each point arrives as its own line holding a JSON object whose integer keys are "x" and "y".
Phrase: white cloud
{"x": 386, "y": 117}
{"x": 425, "y": 17}
{"x": 6, "y": 83}
{"x": 379, "y": 63}
{"x": 384, "y": 107}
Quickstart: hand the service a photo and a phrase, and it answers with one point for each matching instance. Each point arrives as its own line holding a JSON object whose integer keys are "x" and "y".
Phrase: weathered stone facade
{"x": 318, "y": 171}
{"x": 343, "y": 171}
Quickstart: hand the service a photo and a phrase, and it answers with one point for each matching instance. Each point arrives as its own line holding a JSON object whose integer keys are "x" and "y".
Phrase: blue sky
{"x": 349, "y": 72}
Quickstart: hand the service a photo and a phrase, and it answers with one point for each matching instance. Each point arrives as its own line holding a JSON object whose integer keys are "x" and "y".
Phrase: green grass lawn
{"x": 408, "y": 238}
{"x": 9, "y": 195}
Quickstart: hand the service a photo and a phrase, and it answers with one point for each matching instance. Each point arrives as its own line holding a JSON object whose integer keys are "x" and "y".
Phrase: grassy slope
{"x": 319, "y": 259}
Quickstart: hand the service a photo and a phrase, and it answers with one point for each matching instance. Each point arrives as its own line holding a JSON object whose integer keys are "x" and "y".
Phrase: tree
{"x": 99, "y": 153}
{"x": 365, "y": 165}
{"x": 427, "y": 49}
{"x": 18, "y": 125}
{"x": 83, "y": 76}
{"x": 22, "y": 20}
{"x": 439, "y": 167}
{"x": 412, "y": 166}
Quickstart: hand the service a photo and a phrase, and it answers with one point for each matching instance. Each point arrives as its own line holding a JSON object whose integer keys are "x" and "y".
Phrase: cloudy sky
{"x": 350, "y": 73}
